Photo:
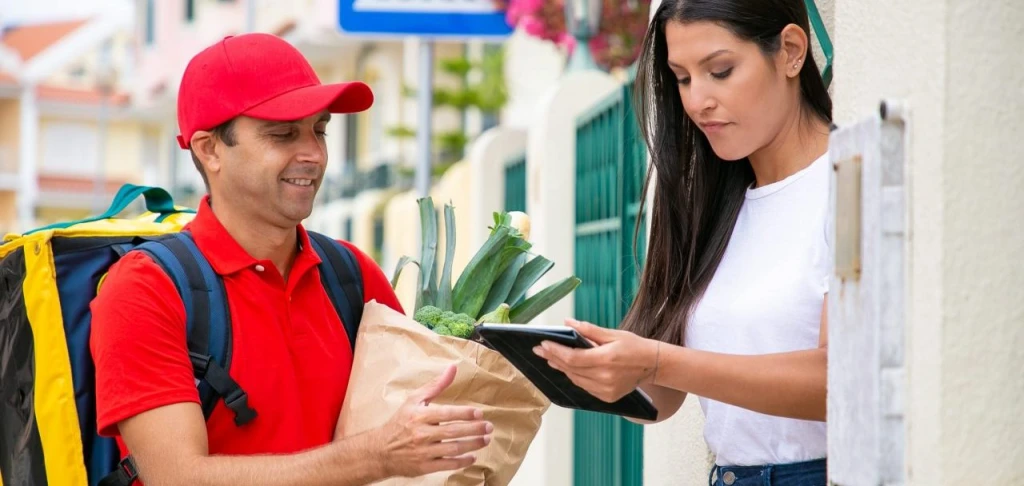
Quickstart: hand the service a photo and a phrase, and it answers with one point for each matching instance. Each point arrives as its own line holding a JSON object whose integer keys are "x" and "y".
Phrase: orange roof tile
{"x": 82, "y": 96}
{"x": 76, "y": 184}
{"x": 30, "y": 40}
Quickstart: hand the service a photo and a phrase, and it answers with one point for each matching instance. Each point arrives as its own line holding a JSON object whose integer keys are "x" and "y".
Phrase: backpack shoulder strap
{"x": 208, "y": 321}
{"x": 343, "y": 280}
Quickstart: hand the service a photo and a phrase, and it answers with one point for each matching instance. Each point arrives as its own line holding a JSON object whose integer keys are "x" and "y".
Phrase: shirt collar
{"x": 226, "y": 256}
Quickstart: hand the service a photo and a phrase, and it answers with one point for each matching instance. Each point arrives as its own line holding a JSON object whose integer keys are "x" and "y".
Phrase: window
{"x": 70, "y": 149}
{"x": 77, "y": 71}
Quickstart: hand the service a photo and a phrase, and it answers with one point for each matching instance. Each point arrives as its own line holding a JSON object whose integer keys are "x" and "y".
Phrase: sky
{"x": 33, "y": 11}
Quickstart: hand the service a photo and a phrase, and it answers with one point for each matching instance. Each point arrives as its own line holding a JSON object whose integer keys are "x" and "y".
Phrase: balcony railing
{"x": 351, "y": 184}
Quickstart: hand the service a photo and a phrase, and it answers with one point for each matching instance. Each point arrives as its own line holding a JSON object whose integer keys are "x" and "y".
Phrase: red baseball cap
{"x": 261, "y": 76}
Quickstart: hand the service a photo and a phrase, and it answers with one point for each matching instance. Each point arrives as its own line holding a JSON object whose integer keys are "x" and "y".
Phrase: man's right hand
{"x": 170, "y": 447}
{"x": 422, "y": 437}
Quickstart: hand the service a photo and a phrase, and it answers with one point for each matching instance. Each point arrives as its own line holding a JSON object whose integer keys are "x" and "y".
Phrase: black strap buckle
{"x": 238, "y": 402}
{"x": 200, "y": 364}
{"x": 205, "y": 369}
{"x": 128, "y": 466}
{"x": 124, "y": 475}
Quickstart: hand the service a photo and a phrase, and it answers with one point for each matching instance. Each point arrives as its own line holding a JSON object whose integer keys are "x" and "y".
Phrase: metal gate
{"x": 515, "y": 183}
{"x": 610, "y": 166}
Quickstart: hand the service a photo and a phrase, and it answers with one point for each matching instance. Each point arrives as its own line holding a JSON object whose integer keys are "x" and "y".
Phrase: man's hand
{"x": 422, "y": 438}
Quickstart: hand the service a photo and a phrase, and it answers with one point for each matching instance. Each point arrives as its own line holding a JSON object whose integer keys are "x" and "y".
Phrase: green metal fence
{"x": 818, "y": 27}
{"x": 515, "y": 183}
{"x": 610, "y": 166}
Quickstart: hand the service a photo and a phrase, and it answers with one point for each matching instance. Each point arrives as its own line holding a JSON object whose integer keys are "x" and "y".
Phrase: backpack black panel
{"x": 21, "y": 450}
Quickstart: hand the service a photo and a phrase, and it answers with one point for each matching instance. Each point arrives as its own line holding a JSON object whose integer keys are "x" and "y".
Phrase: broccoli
{"x": 442, "y": 330}
{"x": 428, "y": 315}
{"x": 462, "y": 330}
{"x": 460, "y": 325}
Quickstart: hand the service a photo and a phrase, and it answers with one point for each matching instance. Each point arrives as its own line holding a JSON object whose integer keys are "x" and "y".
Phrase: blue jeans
{"x": 810, "y": 473}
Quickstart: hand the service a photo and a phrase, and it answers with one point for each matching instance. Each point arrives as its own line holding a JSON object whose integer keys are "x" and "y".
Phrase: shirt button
{"x": 259, "y": 268}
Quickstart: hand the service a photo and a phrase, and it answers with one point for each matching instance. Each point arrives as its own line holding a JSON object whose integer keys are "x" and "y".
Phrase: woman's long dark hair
{"x": 698, "y": 195}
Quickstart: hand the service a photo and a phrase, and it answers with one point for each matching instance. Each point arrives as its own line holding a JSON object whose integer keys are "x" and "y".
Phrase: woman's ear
{"x": 794, "y": 50}
{"x": 204, "y": 146}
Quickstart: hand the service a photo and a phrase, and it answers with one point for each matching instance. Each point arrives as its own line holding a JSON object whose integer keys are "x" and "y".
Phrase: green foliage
{"x": 401, "y": 132}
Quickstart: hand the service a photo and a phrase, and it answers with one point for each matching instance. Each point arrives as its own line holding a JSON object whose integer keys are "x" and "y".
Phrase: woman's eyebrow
{"x": 705, "y": 60}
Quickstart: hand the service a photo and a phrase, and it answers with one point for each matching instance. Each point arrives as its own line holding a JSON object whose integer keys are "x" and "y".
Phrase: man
{"x": 253, "y": 114}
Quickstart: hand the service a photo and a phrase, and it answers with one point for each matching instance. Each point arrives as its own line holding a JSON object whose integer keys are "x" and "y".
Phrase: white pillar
{"x": 28, "y": 160}
{"x": 487, "y": 157}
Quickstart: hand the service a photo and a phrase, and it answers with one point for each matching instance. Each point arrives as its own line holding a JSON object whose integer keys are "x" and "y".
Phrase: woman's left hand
{"x": 619, "y": 362}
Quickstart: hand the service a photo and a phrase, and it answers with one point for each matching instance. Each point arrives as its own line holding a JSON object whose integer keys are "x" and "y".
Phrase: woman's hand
{"x": 619, "y": 363}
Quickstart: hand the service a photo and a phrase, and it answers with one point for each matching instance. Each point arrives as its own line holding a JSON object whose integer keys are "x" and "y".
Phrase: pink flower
{"x": 566, "y": 42}
{"x": 533, "y": 26}
{"x": 599, "y": 43}
{"x": 517, "y": 9}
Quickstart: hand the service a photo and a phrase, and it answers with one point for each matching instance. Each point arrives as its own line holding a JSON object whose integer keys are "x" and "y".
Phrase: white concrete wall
{"x": 487, "y": 157}
{"x": 958, "y": 66}
{"x": 402, "y": 238}
{"x": 452, "y": 188}
{"x": 983, "y": 314}
{"x": 674, "y": 450}
{"x": 532, "y": 67}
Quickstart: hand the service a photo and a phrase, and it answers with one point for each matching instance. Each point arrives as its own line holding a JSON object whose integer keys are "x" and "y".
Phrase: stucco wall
{"x": 983, "y": 270}
{"x": 959, "y": 67}
{"x": 675, "y": 452}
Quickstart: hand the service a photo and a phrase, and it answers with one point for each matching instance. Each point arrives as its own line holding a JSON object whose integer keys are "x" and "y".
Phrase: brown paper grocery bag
{"x": 395, "y": 356}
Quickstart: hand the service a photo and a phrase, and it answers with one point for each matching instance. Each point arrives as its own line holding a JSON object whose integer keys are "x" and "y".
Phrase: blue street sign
{"x": 423, "y": 18}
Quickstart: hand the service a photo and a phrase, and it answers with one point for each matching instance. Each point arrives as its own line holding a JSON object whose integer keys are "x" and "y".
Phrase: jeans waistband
{"x": 774, "y": 473}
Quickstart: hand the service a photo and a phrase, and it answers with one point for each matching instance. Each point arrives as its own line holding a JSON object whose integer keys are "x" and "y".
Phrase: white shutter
{"x": 70, "y": 149}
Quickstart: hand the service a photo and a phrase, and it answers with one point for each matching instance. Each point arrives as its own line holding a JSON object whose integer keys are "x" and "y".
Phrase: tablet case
{"x": 516, "y": 342}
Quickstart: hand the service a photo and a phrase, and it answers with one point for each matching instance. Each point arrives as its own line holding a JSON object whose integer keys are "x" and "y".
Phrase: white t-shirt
{"x": 766, "y": 297}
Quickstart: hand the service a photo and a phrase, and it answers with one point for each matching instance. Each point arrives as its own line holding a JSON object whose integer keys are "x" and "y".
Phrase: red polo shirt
{"x": 291, "y": 354}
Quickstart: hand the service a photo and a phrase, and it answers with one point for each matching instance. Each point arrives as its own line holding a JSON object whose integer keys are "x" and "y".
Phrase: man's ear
{"x": 794, "y": 50}
{"x": 205, "y": 146}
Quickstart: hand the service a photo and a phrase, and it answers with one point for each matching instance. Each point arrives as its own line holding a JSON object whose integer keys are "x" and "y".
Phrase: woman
{"x": 731, "y": 304}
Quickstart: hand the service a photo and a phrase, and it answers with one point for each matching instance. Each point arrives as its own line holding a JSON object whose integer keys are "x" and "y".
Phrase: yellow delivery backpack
{"x": 49, "y": 276}
{"x": 47, "y": 279}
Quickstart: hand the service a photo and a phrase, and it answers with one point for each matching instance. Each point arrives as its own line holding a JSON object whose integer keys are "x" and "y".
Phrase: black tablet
{"x": 516, "y": 342}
